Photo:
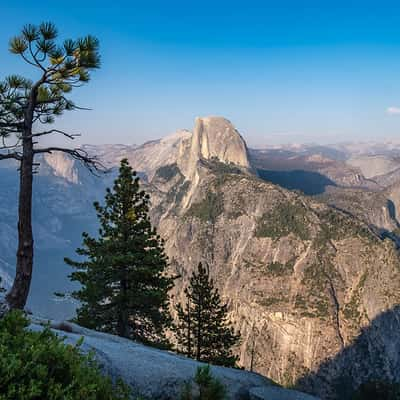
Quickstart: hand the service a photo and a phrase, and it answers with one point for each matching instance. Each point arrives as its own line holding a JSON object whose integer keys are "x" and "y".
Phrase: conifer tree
{"x": 203, "y": 331}
{"x": 27, "y": 110}
{"x": 124, "y": 286}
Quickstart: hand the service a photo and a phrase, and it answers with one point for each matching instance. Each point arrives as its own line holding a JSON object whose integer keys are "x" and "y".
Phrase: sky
{"x": 282, "y": 71}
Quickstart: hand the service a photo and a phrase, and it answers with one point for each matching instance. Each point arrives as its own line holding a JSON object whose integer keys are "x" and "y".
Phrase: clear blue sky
{"x": 281, "y": 71}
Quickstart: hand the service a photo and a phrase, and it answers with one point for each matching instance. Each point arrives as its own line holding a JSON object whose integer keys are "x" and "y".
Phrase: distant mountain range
{"x": 301, "y": 240}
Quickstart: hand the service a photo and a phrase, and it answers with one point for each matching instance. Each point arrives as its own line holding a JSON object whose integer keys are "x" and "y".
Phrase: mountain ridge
{"x": 302, "y": 278}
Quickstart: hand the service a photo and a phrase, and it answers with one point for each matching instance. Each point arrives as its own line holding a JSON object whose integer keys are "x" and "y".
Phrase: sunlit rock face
{"x": 302, "y": 278}
{"x": 62, "y": 166}
{"x": 213, "y": 138}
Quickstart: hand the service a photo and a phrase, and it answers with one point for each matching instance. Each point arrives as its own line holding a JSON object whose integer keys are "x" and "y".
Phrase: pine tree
{"x": 203, "y": 331}
{"x": 27, "y": 110}
{"x": 124, "y": 286}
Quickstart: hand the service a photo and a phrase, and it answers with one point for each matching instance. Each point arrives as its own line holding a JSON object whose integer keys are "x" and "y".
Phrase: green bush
{"x": 209, "y": 388}
{"x": 375, "y": 390}
{"x": 39, "y": 366}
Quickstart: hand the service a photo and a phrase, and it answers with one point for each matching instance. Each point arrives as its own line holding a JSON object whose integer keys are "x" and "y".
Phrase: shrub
{"x": 375, "y": 390}
{"x": 39, "y": 366}
{"x": 209, "y": 388}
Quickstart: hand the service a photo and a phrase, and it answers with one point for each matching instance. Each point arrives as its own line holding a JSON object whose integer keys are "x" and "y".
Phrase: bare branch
{"x": 71, "y": 136}
{"x": 92, "y": 163}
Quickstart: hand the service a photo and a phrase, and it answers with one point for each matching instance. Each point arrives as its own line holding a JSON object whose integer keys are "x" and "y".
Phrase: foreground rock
{"x": 276, "y": 393}
{"x": 160, "y": 374}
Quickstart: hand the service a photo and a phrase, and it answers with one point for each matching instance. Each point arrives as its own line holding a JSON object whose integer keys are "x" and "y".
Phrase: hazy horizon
{"x": 282, "y": 72}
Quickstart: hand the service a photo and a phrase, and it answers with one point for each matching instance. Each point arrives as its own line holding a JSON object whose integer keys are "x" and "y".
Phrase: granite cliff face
{"x": 302, "y": 279}
{"x": 304, "y": 276}
{"x": 212, "y": 138}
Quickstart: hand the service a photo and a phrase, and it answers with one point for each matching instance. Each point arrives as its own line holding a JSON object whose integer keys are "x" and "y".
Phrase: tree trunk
{"x": 18, "y": 295}
{"x": 189, "y": 330}
{"x": 122, "y": 324}
{"x": 198, "y": 333}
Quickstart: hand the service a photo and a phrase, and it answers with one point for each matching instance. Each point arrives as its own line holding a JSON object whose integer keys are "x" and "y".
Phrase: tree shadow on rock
{"x": 374, "y": 356}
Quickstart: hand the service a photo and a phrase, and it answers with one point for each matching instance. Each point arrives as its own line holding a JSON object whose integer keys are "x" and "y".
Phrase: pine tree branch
{"x": 68, "y": 135}
{"x": 5, "y": 146}
{"x": 34, "y": 56}
{"x": 14, "y": 155}
{"x": 91, "y": 162}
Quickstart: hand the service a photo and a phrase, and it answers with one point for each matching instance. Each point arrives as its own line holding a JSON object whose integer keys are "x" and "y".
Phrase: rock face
{"x": 213, "y": 138}
{"x": 378, "y": 209}
{"x": 159, "y": 374}
{"x": 394, "y": 196}
{"x": 274, "y": 393}
{"x": 303, "y": 280}
{"x": 152, "y": 155}
{"x": 374, "y": 165}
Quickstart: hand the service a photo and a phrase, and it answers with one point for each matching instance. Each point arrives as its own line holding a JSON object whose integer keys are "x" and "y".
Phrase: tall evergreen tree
{"x": 124, "y": 285}
{"x": 203, "y": 331}
{"x": 27, "y": 107}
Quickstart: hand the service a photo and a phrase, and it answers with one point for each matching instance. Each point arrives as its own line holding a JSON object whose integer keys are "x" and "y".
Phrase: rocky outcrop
{"x": 61, "y": 165}
{"x": 214, "y": 138}
{"x": 262, "y": 393}
{"x": 302, "y": 279}
{"x": 158, "y": 374}
{"x": 373, "y": 356}
{"x": 377, "y": 209}
{"x": 393, "y": 194}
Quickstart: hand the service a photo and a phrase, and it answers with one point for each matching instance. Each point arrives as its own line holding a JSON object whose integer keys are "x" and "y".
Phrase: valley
{"x": 301, "y": 241}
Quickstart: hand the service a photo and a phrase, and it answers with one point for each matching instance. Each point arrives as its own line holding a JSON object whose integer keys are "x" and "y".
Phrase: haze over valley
{"x": 301, "y": 239}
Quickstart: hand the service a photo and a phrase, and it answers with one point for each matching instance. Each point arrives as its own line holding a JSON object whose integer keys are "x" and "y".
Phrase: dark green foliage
{"x": 219, "y": 167}
{"x": 124, "y": 287}
{"x": 203, "y": 331}
{"x": 317, "y": 279}
{"x": 284, "y": 219}
{"x": 208, "y": 209}
{"x": 39, "y": 366}
{"x": 209, "y": 388}
{"x": 279, "y": 269}
{"x": 335, "y": 225}
{"x": 167, "y": 172}
{"x": 63, "y": 66}
{"x": 376, "y": 390}
{"x": 26, "y": 108}
{"x": 351, "y": 309}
